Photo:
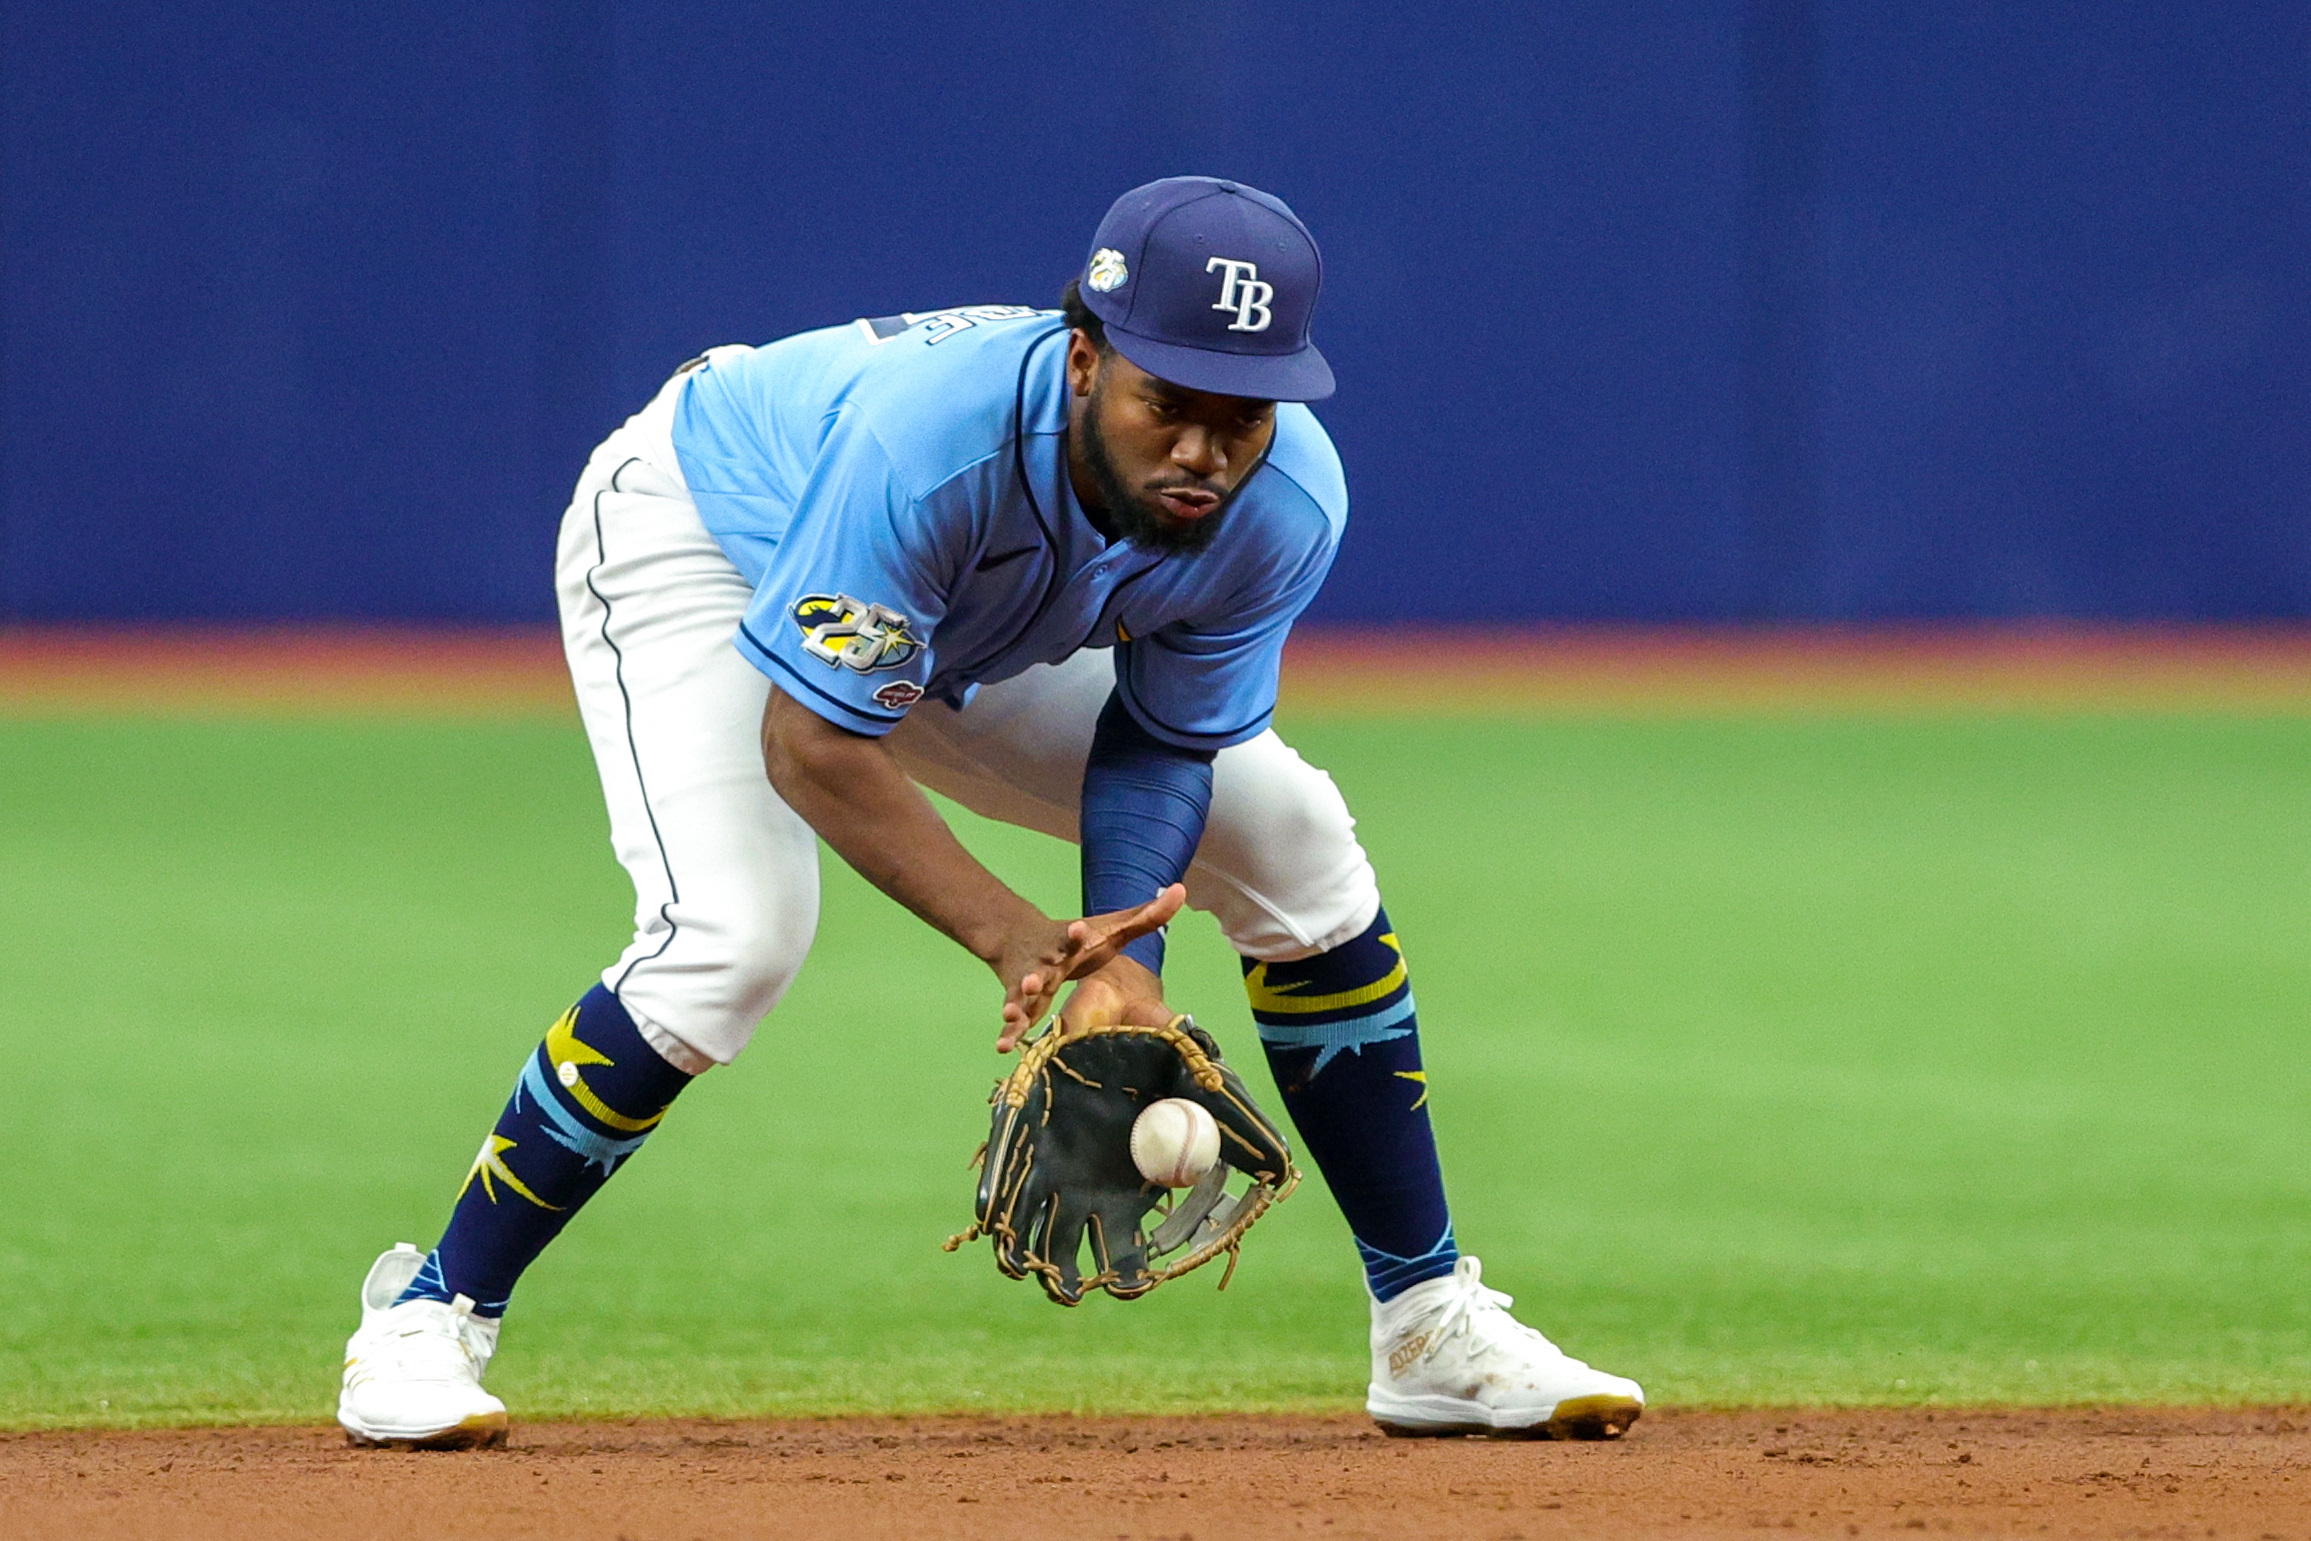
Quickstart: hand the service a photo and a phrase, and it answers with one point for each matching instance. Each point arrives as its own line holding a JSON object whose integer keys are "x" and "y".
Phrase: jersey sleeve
{"x": 844, "y": 616}
{"x": 1212, "y": 685}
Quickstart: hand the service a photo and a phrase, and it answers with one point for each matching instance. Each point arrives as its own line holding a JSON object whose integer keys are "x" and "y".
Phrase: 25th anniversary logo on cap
{"x": 1108, "y": 270}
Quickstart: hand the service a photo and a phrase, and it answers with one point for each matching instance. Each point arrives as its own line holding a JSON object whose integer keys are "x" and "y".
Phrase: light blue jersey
{"x": 897, "y": 493}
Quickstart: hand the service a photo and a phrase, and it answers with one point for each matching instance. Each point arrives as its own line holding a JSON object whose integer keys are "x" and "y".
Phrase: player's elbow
{"x": 804, "y": 754}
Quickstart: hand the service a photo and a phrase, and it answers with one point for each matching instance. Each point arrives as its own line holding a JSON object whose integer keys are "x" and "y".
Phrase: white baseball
{"x": 1175, "y": 1142}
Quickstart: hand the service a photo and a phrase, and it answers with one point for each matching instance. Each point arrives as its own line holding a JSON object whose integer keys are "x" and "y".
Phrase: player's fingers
{"x": 1085, "y": 950}
{"x": 1025, "y": 1000}
{"x": 1108, "y": 933}
{"x": 1157, "y": 912}
{"x": 1030, "y": 1002}
{"x": 1165, "y": 905}
{"x": 1014, "y": 1028}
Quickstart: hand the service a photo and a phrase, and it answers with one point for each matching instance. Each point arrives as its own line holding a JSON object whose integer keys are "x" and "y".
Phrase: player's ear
{"x": 1082, "y": 362}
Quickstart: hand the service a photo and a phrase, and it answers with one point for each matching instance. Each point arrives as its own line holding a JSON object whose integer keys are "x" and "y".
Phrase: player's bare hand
{"x": 1125, "y": 992}
{"x": 1033, "y": 970}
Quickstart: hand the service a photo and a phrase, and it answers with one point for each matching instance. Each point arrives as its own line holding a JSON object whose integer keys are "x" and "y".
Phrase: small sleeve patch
{"x": 898, "y": 695}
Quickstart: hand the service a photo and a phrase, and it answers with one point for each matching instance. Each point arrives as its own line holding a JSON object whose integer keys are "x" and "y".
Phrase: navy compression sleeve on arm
{"x": 1144, "y": 804}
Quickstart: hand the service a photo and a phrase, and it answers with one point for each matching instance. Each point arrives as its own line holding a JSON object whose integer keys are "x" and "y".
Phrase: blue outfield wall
{"x": 1647, "y": 311}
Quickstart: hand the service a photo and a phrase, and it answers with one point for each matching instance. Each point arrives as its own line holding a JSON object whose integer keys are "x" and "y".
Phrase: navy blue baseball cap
{"x": 1211, "y": 285}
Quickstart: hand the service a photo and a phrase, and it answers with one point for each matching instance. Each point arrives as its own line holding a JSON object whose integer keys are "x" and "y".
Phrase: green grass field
{"x": 1776, "y": 1060}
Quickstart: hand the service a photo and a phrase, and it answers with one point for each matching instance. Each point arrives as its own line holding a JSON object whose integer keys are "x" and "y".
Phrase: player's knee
{"x": 1310, "y": 816}
{"x": 759, "y": 951}
{"x": 718, "y": 969}
{"x": 1286, "y": 875}
{"x": 1323, "y": 905}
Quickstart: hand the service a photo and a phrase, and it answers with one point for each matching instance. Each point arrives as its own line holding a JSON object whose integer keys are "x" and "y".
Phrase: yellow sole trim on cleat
{"x": 1593, "y": 1418}
{"x": 1586, "y": 1418}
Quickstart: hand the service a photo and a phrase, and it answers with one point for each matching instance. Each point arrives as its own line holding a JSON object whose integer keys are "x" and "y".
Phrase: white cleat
{"x": 413, "y": 1372}
{"x": 1447, "y": 1358}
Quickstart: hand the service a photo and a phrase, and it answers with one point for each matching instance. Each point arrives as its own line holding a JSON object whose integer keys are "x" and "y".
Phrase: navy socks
{"x": 1345, "y": 1048}
{"x": 585, "y": 1102}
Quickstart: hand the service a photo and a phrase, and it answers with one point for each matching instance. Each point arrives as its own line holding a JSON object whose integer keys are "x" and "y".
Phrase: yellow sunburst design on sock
{"x": 490, "y": 1166}
{"x": 1420, "y": 1076}
{"x": 567, "y": 1052}
{"x": 1278, "y": 998}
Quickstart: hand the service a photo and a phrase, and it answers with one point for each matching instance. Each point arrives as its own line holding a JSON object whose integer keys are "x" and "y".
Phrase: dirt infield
{"x": 2179, "y": 1473}
{"x": 520, "y": 671}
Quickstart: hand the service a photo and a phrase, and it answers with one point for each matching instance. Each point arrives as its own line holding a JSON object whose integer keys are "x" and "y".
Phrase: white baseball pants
{"x": 726, "y": 874}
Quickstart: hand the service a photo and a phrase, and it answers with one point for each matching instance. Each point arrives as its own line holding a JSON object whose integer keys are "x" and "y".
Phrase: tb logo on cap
{"x": 1242, "y": 292}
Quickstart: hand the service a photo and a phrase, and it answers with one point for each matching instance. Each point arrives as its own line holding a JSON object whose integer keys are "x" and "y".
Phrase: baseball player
{"x": 1044, "y": 564}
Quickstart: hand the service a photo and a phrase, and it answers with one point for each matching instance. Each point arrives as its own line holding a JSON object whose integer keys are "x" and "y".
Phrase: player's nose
{"x": 1199, "y": 450}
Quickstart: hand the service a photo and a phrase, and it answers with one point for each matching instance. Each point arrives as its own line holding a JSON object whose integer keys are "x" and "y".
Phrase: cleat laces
{"x": 427, "y": 1345}
{"x": 1478, "y": 1316}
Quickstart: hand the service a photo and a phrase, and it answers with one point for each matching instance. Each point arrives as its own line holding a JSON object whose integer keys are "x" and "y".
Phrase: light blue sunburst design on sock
{"x": 563, "y": 1127}
{"x": 1293, "y": 1014}
{"x": 1348, "y": 1034}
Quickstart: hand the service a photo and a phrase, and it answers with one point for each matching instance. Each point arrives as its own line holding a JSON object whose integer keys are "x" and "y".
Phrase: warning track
{"x": 519, "y": 671}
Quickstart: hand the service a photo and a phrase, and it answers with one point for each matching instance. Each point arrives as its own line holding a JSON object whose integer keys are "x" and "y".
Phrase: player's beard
{"x": 1135, "y": 518}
